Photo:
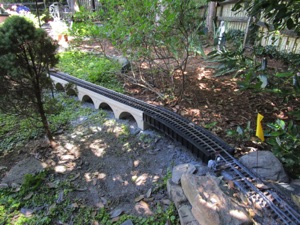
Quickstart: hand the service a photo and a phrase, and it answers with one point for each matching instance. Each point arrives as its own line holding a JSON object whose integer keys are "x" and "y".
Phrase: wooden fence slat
{"x": 291, "y": 44}
{"x": 282, "y": 46}
{"x": 232, "y": 19}
{"x": 297, "y": 46}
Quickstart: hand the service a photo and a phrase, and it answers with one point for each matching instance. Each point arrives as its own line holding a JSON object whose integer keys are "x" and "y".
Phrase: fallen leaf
{"x": 81, "y": 189}
{"x": 74, "y": 205}
{"x": 166, "y": 202}
{"x": 148, "y": 194}
{"x": 27, "y": 212}
{"x": 60, "y": 198}
{"x": 94, "y": 213}
{"x": 104, "y": 200}
{"x": 28, "y": 196}
{"x": 75, "y": 177}
{"x": 99, "y": 205}
{"x": 51, "y": 185}
{"x": 115, "y": 219}
{"x": 94, "y": 182}
{"x": 51, "y": 207}
{"x": 139, "y": 198}
{"x": 149, "y": 199}
{"x": 115, "y": 213}
{"x": 17, "y": 189}
{"x": 95, "y": 222}
{"x": 168, "y": 222}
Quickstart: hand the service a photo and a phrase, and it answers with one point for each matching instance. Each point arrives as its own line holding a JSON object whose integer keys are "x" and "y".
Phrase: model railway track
{"x": 206, "y": 146}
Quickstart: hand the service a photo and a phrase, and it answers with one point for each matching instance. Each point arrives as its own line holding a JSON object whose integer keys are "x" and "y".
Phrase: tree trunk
{"x": 42, "y": 113}
{"x": 45, "y": 121}
{"x": 211, "y": 15}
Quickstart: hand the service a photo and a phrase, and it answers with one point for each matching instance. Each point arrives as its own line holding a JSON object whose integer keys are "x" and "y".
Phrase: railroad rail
{"x": 206, "y": 146}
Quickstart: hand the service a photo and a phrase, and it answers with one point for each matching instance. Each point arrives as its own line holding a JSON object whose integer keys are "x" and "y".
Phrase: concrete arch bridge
{"x": 120, "y": 110}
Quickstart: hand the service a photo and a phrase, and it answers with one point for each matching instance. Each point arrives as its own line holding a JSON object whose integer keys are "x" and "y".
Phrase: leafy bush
{"x": 241, "y": 134}
{"x": 89, "y": 67}
{"x": 270, "y": 51}
{"x": 84, "y": 15}
{"x": 231, "y": 62}
{"x": 85, "y": 29}
{"x": 285, "y": 141}
{"x": 235, "y": 38}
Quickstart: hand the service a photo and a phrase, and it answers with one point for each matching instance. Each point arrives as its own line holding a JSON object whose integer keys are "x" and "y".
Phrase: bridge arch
{"x": 87, "y": 98}
{"x": 104, "y": 105}
{"x": 71, "y": 92}
{"x": 59, "y": 86}
{"x": 127, "y": 115}
{"x": 110, "y": 107}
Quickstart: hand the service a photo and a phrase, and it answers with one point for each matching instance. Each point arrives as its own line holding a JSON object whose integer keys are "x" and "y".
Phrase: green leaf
{"x": 239, "y": 130}
{"x": 286, "y": 74}
{"x": 281, "y": 123}
{"x": 290, "y": 24}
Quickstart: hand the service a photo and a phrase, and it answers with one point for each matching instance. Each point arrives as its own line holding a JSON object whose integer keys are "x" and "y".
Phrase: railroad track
{"x": 206, "y": 146}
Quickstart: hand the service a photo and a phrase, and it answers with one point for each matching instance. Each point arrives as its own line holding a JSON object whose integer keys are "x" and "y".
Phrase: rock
{"x": 166, "y": 201}
{"x": 27, "y": 212}
{"x": 127, "y": 222}
{"x": 295, "y": 195}
{"x": 3, "y": 185}
{"x": 296, "y": 200}
{"x": 116, "y": 213}
{"x": 210, "y": 205}
{"x": 212, "y": 164}
{"x": 26, "y": 166}
{"x": 175, "y": 193}
{"x": 143, "y": 208}
{"x": 181, "y": 169}
{"x": 265, "y": 165}
{"x": 186, "y": 216}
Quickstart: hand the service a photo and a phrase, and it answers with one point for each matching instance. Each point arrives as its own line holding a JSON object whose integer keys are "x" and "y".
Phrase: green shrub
{"x": 284, "y": 137}
{"x": 92, "y": 68}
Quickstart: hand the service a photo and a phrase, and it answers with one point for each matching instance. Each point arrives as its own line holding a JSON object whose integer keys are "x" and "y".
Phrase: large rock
{"x": 175, "y": 193}
{"x": 182, "y": 205}
{"x": 181, "y": 169}
{"x": 210, "y": 205}
{"x": 265, "y": 165}
{"x": 186, "y": 217}
{"x": 26, "y": 166}
{"x": 295, "y": 194}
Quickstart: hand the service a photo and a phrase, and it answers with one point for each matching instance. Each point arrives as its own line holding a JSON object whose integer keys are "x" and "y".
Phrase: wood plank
{"x": 291, "y": 44}
{"x": 227, "y": 2}
{"x": 282, "y": 46}
{"x": 297, "y": 46}
{"x": 232, "y": 19}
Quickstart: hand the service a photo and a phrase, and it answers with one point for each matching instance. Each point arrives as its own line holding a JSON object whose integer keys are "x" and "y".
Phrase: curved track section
{"x": 206, "y": 146}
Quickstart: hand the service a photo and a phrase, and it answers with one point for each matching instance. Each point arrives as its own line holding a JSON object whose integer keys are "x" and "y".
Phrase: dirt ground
{"x": 105, "y": 169}
{"x": 117, "y": 175}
